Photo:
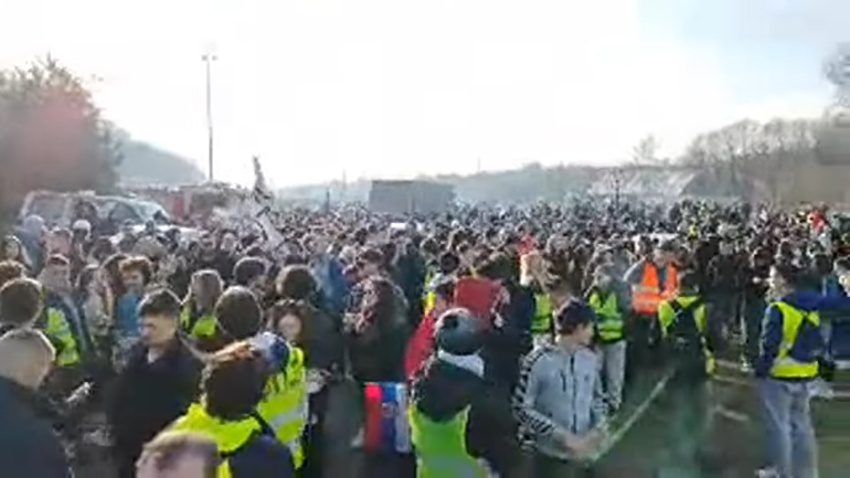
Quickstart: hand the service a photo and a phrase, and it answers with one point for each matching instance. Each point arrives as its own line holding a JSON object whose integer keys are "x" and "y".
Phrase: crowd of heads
{"x": 350, "y": 272}
{"x": 573, "y": 246}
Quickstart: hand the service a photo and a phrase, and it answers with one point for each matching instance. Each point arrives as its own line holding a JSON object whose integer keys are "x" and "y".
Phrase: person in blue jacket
{"x": 837, "y": 328}
{"x": 791, "y": 347}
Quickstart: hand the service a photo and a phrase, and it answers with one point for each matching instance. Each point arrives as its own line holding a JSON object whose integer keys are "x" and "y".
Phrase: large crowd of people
{"x": 482, "y": 342}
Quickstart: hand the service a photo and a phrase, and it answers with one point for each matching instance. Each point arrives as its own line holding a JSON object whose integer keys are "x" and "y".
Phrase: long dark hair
{"x": 299, "y": 308}
{"x": 111, "y": 267}
{"x": 81, "y": 288}
{"x": 297, "y": 283}
{"x": 212, "y": 287}
{"x": 381, "y": 308}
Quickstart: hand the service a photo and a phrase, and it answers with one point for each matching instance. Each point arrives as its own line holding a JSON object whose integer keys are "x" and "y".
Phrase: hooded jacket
{"x": 444, "y": 388}
{"x": 448, "y": 384}
{"x": 559, "y": 392}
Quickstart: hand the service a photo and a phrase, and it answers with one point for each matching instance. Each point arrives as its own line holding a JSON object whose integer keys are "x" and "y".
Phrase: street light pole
{"x": 208, "y": 58}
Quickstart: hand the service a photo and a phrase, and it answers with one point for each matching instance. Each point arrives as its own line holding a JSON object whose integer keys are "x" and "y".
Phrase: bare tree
{"x": 748, "y": 151}
{"x": 646, "y": 151}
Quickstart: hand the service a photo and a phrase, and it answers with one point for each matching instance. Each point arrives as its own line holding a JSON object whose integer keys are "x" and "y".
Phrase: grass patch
{"x": 732, "y": 447}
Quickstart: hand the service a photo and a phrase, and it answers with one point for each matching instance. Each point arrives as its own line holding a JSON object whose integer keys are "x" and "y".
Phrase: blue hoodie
{"x": 807, "y": 348}
{"x": 127, "y": 316}
{"x": 332, "y": 282}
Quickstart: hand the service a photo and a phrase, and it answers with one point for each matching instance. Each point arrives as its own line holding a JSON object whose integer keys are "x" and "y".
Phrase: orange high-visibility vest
{"x": 648, "y": 295}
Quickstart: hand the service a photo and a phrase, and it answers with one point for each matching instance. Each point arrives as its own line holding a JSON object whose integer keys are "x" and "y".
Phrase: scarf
{"x": 470, "y": 363}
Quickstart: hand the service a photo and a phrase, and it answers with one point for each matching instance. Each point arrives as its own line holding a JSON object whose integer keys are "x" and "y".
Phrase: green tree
{"x": 52, "y": 135}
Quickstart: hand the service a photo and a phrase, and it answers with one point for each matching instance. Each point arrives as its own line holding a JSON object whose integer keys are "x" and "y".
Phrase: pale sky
{"x": 394, "y": 88}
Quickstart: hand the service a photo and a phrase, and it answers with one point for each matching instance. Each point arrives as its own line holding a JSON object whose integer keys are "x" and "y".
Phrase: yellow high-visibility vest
{"x": 441, "y": 446}
{"x": 784, "y": 366}
{"x": 541, "y": 323}
{"x": 284, "y": 406}
{"x": 59, "y": 332}
{"x": 203, "y": 328}
{"x": 229, "y": 436}
{"x": 667, "y": 315}
{"x": 609, "y": 319}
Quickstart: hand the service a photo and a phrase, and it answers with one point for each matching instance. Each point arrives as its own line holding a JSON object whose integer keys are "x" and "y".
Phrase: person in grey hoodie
{"x": 559, "y": 402}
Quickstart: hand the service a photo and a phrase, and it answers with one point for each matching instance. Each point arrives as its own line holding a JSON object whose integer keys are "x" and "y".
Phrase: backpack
{"x": 684, "y": 335}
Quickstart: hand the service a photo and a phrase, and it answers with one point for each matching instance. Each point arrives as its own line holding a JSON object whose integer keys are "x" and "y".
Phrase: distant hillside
{"x": 144, "y": 164}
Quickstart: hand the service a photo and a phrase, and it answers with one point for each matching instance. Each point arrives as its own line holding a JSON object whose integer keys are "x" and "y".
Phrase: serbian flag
{"x": 386, "y": 428}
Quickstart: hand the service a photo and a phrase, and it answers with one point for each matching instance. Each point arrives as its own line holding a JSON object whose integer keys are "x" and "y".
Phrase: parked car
{"x": 58, "y": 209}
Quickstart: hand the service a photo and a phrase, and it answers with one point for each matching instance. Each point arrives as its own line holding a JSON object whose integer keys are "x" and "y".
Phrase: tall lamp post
{"x": 208, "y": 58}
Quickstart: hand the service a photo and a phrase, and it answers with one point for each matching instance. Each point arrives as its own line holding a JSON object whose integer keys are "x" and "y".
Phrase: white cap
{"x": 81, "y": 224}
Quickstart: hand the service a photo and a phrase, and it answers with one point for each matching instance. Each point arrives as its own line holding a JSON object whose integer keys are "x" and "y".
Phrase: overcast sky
{"x": 393, "y": 88}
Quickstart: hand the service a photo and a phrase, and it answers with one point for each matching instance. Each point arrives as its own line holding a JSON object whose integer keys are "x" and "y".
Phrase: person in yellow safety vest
{"x": 541, "y": 322}
{"x": 284, "y": 404}
{"x": 56, "y": 328}
{"x": 61, "y": 320}
{"x": 442, "y": 395}
{"x": 606, "y": 300}
{"x": 197, "y": 320}
{"x": 447, "y": 267}
{"x": 233, "y": 385}
{"x": 532, "y": 275}
{"x": 790, "y": 348}
{"x": 429, "y": 297}
{"x": 684, "y": 329}
{"x": 652, "y": 280}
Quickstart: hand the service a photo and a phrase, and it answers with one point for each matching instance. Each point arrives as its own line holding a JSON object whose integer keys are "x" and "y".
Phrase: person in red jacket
{"x": 421, "y": 344}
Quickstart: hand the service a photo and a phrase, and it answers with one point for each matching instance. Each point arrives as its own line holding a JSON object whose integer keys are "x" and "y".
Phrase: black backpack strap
{"x": 677, "y": 307}
{"x": 695, "y": 304}
{"x": 265, "y": 429}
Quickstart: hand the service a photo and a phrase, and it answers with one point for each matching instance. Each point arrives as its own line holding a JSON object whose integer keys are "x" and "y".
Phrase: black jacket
{"x": 724, "y": 273}
{"x": 505, "y": 345}
{"x": 149, "y": 396}
{"x": 324, "y": 349}
{"x": 378, "y": 355}
{"x": 28, "y": 444}
{"x": 441, "y": 390}
{"x": 377, "y": 349}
